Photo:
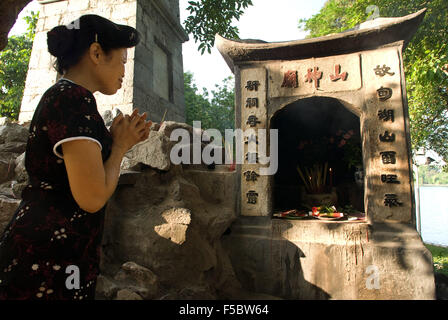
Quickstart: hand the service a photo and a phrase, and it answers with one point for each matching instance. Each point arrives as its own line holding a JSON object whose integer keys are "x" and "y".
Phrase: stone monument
{"x": 154, "y": 71}
{"x": 358, "y": 73}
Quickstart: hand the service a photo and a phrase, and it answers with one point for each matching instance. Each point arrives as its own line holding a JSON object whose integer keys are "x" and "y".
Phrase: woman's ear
{"x": 95, "y": 52}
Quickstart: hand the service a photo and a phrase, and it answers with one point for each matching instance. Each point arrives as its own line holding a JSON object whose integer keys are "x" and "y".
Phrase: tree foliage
{"x": 215, "y": 111}
{"x": 425, "y": 60}
{"x": 209, "y": 17}
{"x": 14, "y": 60}
{"x": 431, "y": 174}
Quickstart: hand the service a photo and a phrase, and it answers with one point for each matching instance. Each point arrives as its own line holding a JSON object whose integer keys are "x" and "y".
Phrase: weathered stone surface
{"x": 167, "y": 127}
{"x": 176, "y": 227}
{"x": 140, "y": 279}
{"x": 107, "y": 117}
{"x": 20, "y": 171}
{"x": 142, "y": 276}
{"x": 6, "y": 170}
{"x": 392, "y": 30}
{"x": 7, "y": 208}
{"x": 162, "y": 223}
{"x": 13, "y": 132}
{"x": 5, "y": 189}
{"x": 153, "y": 152}
{"x": 13, "y": 147}
{"x": 127, "y": 294}
{"x": 13, "y": 139}
{"x": 301, "y": 263}
{"x": 105, "y": 288}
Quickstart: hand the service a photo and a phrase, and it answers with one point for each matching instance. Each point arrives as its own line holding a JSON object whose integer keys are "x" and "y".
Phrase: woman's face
{"x": 111, "y": 71}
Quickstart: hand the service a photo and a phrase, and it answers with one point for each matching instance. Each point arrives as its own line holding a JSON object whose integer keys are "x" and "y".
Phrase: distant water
{"x": 434, "y": 214}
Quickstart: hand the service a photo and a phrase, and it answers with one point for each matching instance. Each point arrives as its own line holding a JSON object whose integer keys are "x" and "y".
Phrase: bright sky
{"x": 268, "y": 20}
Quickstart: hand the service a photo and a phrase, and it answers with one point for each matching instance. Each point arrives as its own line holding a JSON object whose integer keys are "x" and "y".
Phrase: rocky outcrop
{"x": 164, "y": 223}
{"x": 13, "y": 177}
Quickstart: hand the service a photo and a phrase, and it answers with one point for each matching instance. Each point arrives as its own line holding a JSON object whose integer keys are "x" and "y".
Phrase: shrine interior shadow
{"x": 317, "y": 131}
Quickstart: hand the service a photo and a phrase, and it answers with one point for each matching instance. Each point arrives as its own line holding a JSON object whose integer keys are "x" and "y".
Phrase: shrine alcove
{"x": 319, "y": 141}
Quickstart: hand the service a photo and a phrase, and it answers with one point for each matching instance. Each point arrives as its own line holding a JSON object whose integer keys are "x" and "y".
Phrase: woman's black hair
{"x": 68, "y": 43}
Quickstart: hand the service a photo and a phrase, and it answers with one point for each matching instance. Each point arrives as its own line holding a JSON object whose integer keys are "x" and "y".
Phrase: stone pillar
{"x": 256, "y": 195}
{"x": 156, "y": 20}
{"x": 389, "y": 182}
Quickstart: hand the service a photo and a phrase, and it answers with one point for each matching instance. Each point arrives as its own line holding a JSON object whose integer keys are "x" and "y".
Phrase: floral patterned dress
{"x": 50, "y": 250}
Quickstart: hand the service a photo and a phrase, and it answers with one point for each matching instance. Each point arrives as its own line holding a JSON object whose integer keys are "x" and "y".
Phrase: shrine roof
{"x": 381, "y": 32}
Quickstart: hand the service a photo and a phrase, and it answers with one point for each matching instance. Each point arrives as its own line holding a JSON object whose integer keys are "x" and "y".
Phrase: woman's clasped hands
{"x": 128, "y": 130}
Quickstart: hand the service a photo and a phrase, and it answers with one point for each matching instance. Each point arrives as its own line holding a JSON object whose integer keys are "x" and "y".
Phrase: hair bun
{"x": 60, "y": 40}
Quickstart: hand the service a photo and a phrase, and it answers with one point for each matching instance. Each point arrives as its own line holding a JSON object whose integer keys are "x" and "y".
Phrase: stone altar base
{"x": 296, "y": 259}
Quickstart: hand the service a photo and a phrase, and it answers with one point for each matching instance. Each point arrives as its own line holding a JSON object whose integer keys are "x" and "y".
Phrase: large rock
{"x": 139, "y": 279}
{"x": 126, "y": 294}
{"x": 156, "y": 150}
{"x": 162, "y": 223}
{"x": 7, "y": 208}
{"x": 153, "y": 152}
{"x": 131, "y": 277}
{"x": 13, "y": 132}
{"x": 13, "y": 140}
{"x": 106, "y": 289}
{"x": 21, "y": 177}
{"x": 6, "y": 170}
{"x": 176, "y": 227}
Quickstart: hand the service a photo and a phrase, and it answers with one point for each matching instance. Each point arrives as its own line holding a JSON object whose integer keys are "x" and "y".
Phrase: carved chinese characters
{"x": 387, "y": 157}
{"x": 252, "y": 85}
{"x": 290, "y": 79}
{"x": 384, "y": 93}
{"x": 252, "y": 102}
{"x": 314, "y": 75}
{"x": 387, "y": 137}
{"x": 386, "y": 145}
{"x": 338, "y": 75}
{"x": 382, "y": 71}
{"x": 252, "y": 120}
{"x": 332, "y": 74}
{"x": 386, "y": 115}
{"x": 252, "y": 197}
{"x": 251, "y": 175}
{"x": 254, "y": 200}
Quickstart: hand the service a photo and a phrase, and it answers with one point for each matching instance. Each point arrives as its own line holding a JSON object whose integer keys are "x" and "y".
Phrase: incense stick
{"x": 163, "y": 118}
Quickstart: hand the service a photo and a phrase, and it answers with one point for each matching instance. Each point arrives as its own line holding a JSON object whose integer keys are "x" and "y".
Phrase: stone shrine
{"x": 154, "y": 70}
{"x": 352, "y": 83}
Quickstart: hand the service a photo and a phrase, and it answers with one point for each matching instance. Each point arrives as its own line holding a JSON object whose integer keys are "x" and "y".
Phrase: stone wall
{"x": 339, "y": 261}
{"x": 154, "y": 19}
{"x": 162, "y": 36}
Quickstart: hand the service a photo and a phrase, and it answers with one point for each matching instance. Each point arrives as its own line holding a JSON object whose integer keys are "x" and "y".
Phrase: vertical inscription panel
{"x": 388, "y": 192}
{"x": 256, "y": 192}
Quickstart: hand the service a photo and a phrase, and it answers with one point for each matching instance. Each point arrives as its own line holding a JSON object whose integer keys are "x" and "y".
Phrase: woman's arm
{"x": 92, "y": 183}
